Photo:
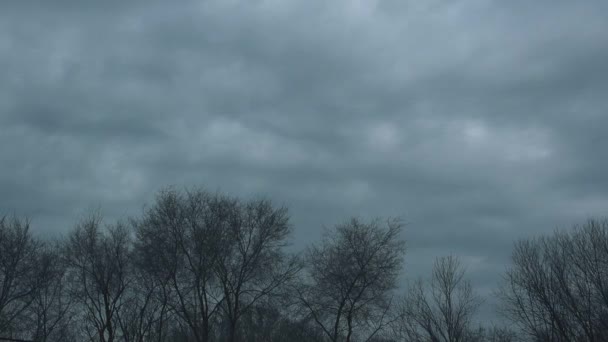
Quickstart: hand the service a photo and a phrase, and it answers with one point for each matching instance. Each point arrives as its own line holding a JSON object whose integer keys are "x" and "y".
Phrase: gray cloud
{"x": 478, "y": 122}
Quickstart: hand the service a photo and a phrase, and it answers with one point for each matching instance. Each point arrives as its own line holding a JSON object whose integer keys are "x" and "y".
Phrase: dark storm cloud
{"x": 478, "y": 122}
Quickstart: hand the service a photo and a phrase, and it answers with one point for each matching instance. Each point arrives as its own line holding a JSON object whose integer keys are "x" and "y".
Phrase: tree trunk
{"x": 232, "y": 332}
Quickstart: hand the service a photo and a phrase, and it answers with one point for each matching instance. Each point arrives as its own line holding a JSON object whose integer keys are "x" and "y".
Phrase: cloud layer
{"x": 478, "y": 122}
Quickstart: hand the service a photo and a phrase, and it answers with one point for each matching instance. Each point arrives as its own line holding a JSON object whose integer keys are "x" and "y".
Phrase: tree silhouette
{"x": 350, "y": 275}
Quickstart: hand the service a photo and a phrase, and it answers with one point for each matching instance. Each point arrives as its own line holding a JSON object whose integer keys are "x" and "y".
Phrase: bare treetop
{"x": 350, "y": 276}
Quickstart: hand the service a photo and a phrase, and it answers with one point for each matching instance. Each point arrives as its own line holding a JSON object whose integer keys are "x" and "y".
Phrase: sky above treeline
{"x": 478, "y": 122}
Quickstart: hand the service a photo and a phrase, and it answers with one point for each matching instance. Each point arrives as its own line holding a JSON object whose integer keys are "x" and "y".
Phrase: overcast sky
{"x": 478, "y": 122}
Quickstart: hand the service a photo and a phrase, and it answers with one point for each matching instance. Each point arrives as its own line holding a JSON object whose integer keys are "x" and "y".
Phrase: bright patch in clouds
{"x": 475, "y": 132}
{"x": 506, "y": 143}
{"x": 384, "y": 136}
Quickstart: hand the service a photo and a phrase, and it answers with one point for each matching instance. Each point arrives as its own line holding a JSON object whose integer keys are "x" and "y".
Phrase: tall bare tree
{"x": 145, "y": 315}
{"x": 350, "y": 275}
{"x": 19, "y": 280}
{"x": 252, "y": 263}
{"x": 441, "y": 309}
{"x": 178, "y": 243}
{"x": 51, "y": 314}
{"x": 99, "y": 266}
{"x": 557, "y": 286}
{"x": 218, "y": 255}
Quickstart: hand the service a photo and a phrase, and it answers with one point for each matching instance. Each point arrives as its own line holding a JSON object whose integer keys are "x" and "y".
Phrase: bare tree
{"x": 99, "y": 267}
{"x": 440, "y": 310}
{"x": 19, "y": 280}
{"x": 217, "y": 255}
{"x": 145, "y": 315}
{"x": 50, "y": 315}
{"x": 178, "y": 245}
{"x": 347, "y": 288}
{"x": 252, "y": 263}
{"x": 557, "y": 287}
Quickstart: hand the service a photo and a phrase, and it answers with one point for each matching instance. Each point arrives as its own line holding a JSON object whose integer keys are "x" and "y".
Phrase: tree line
{"x": 197, "y": 266}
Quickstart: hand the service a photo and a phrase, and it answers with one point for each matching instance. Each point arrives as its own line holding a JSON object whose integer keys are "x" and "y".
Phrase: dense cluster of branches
{"x": 202, "y": 267}
{"x": 557, "y": 287}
